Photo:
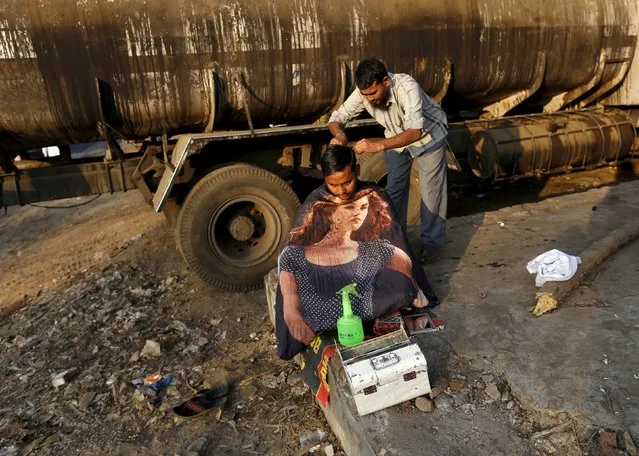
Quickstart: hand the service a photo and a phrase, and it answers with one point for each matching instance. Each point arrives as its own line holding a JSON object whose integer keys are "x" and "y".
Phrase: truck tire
{"x": 372, "y": 168}
{"x": 232, "y": 224}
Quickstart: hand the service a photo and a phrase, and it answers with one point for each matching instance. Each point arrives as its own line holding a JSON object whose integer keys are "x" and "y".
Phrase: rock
{"x": 609, "y": 439}
{"x": 468, "y": 408}
{"x": 172, "y": 391}
{"x": 563, "y": 441}
{"x": 253, "y": 336}
{"x": 329, "y": 451}
{"x": 424, "y": 404}
{"x": 510, "y": 405}
{"x": 138, "y": 397}
{"x": 435, "y": 391}
{"x": 10, "y": 450}
{"x": 169, "y": 281}
{"x": 527, "y": 427}
{"x": 151, "y": 349}
{"x": 631, "y": 449}
{"x": 180, "y": 326}
{"x": 200, "y": 341}
{"x": 270, "y": 381}
{"x": 198, "y": 446}
{"x": 247, "y": 392}
{"x": 294, "y": 380}
{"x": 86, "y": 399}
{"x": 19, "y": 341}
{"x": 298, "y": 390}
{"x": 165, "y": 406}
{"x": 456, "y": 385}
{"x": 71, "y": 390}
{"x": 191, "y": 349}
{"x": 42, "y": 419}
{"x": 492, "y": 391}
{"x": 443, "y": 403}
{"x": 135, "y": 357}
{"x": 489, "y": 378}
{"x": 505, "y": 397}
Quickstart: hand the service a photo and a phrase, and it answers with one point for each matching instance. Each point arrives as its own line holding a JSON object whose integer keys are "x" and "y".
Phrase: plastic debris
{"x": 157, "y": 381}
{"x": 63, "y": 377}
{"x": 58, "y": 380}
{"x": 311, "y": 438}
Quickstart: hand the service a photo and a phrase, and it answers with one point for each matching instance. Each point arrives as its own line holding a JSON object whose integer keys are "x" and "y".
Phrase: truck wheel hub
{"x": 242, "y": 228}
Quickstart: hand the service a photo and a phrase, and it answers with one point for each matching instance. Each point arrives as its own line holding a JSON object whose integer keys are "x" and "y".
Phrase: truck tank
{"x": 75, "y": 70}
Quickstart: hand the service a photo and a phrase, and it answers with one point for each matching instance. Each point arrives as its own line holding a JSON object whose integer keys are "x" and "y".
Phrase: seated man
{"x": 345, "y": 232}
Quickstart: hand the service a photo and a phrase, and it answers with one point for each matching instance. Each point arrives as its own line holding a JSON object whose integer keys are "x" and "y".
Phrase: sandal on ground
{"x": 203, "y": 402}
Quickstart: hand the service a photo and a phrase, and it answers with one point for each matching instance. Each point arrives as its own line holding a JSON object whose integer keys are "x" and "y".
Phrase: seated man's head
{"x": 340, "y": 171}
{"x": 373, "y": 82}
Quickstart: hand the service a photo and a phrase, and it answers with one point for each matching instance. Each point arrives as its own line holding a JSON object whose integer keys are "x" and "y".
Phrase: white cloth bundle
{"x": 553, "y": 265}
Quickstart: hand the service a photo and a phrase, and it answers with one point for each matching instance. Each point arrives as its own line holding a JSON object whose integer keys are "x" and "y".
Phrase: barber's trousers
{"x": 432, "y": 186}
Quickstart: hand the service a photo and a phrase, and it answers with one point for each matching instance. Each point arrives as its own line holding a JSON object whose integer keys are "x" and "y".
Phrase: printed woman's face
{"x": 351, "y": 216}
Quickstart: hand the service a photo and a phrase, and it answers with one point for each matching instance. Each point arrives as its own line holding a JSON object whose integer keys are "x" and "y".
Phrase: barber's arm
{"x": 292, "y": 309}
{"x": 350, "y": 109}
{"x": 374, "y": 145}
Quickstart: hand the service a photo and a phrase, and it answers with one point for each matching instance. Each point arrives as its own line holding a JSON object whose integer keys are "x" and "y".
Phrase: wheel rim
{"x": 244, "y": 231}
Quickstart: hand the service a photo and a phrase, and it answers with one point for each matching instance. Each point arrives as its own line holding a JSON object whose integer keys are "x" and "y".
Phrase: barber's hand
{"x": 369, "y": 146}
{"x": 420, "y": 300}
{"x": 339, "y": 140}
{"x": 298, "y": 327}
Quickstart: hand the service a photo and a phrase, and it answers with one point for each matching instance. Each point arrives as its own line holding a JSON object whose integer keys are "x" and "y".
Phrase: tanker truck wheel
{"x": 232, "y": 225}
{"x": 372, "y": 168}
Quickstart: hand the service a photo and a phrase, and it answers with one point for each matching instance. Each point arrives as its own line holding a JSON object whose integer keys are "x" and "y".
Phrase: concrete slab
{"x": 581, "y": 359}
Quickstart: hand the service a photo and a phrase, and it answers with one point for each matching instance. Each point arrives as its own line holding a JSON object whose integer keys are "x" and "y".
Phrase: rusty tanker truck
{"x": 223, "y": 103}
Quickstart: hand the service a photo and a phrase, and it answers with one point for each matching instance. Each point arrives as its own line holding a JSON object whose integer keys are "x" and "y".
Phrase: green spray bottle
{"x": 350, "y": 330}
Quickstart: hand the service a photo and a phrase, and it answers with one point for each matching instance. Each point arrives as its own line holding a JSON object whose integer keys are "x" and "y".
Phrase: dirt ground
{"x": 83, "y": 289}
{"x": 85, "y": 284}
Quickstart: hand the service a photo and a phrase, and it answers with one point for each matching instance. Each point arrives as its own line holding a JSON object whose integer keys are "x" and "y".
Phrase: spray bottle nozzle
{"x": 350, "y": 289}
{"x": 346, "y": 292}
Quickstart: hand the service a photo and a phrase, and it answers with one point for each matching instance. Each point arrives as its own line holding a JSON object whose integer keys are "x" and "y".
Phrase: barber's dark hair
{"x": 337, "y": 158}
{"x": 369, "y": 71}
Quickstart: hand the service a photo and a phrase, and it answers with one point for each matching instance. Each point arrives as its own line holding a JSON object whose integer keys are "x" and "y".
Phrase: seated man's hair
{"x": 369, "y": 71}
{"x": 337, "y": 158}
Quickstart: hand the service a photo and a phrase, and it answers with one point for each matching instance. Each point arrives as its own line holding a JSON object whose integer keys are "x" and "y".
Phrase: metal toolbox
{"x": 385, "y": 371}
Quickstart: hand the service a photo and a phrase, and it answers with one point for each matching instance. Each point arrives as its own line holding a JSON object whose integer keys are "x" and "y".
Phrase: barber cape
{"x": 387, "y": 275}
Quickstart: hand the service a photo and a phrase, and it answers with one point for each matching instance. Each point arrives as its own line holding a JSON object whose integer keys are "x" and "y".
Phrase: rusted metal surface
{"x": 75, "y": 70}
{"x": 56, "y": 182}
{"x": 525, "y": 145}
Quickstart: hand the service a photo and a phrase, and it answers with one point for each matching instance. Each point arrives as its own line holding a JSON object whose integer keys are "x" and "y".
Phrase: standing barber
{"x": 415, "y": 129}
